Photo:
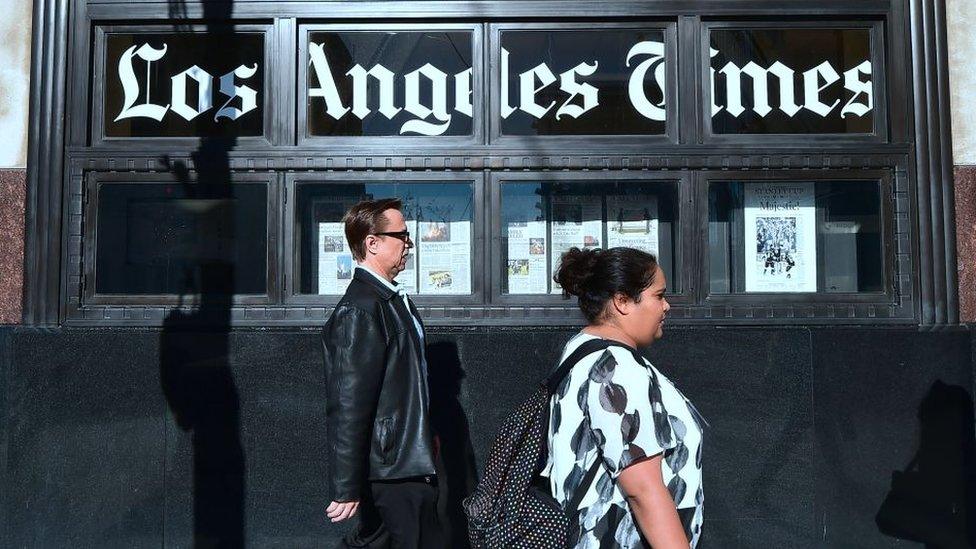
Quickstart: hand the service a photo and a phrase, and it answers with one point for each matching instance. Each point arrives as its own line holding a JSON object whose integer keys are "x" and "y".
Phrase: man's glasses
{"x": 401, "y": 235}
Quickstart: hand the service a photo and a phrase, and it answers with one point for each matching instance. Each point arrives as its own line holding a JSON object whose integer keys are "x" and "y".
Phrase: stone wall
{"x": 115, "y": 437}
{"x": 962, "y": 83}
{"x": 15, "y": 43}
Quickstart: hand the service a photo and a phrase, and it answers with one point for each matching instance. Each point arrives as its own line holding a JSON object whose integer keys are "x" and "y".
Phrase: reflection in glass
{"x": 387, "y": 83}
{"x": 791, "y": 81}
{"x": 542, "y": 220}
{"x": 583, "y": 82}
{"x": 184, "y": 84}
{"x": 157, "y": 238}
{"x": 438, "y": 216}
{"x": 759, "y": 246}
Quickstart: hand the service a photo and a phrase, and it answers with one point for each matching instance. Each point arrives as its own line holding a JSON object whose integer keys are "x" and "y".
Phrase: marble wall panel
{"x": 12, "y": 198}
{"x": 966, "y": 240}
{"x": 960, "y": 19}
{"x": 15, "y": 47}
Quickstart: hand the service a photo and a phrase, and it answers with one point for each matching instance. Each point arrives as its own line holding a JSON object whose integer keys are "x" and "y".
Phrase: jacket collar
{"x": 362, "y": 275}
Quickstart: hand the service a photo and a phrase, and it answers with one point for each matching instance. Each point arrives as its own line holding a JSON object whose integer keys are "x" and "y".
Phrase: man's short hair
{"x": 364, "y": 219}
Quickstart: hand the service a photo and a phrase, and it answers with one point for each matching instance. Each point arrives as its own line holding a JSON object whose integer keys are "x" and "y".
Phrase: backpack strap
{"x": 591, "y": 346}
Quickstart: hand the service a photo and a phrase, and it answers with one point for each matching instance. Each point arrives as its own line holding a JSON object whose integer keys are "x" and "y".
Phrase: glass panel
{"x": 583, "y": 82}
{"x": 438, "y": 216}
{"x": 163, "y": 238}
{"x": 851, "y": 235}
{"x": 792, "y": 81}
{"x": 801, "y": 236}
{"x": 542, "y": 220}
{"x": 184, "y": 84}
{"x": 383, "y": 83}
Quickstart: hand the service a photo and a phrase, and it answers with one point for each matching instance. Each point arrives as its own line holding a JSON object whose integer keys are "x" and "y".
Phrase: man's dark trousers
{"x": 399, "y": 514}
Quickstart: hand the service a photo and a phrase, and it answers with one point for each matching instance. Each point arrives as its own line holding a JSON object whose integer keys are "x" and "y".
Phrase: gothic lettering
{"x": 204, "y": 93}
{"x": 760, "y": 88}
{"x": 815, "y": 81}
{"x": 428, "y": 75}
{"x": 438, "y": 108}
{"x": 424, "y": 102}
{"x": 528, "y": 89}
{"x": 228, "y": 87}
{"x": 588, "y": 92}
{"x": 853, "y": 82}
{"x": 132, "y": 88}
{"x": 635, "y": 88}
{"x": 812, "y": 88}
{"x": 327, "y": 87}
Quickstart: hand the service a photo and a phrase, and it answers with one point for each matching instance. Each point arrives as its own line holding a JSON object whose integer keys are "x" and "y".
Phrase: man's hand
{"x": 339, "y": 512}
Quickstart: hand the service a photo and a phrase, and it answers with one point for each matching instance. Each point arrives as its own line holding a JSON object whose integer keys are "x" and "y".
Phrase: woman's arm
{"x": 652, "y": 505}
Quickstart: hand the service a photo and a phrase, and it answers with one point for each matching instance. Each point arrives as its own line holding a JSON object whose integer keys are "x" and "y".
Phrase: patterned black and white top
{"x": 613, "y": 407}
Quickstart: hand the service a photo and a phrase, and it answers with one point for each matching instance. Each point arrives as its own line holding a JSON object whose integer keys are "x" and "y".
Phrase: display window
{"x": 441, "y": 215}
{"x": 169, "y": 86}
{"x": 765, "y": 161}
{"x": 364, "y": 83}
{"x": 801, "y": 79}
{"x": 804, "y": 237}
{"x": 583, "y": 80}
{"x": 541, "y": 220}
{"x": 154, "y": 240}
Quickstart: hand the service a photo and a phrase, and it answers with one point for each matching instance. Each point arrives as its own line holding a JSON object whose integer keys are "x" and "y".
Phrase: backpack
{"x": 507, "y": 509}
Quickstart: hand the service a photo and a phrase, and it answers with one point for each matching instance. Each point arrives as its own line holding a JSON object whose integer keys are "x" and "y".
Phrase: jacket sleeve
{"x": 354, "y": 360}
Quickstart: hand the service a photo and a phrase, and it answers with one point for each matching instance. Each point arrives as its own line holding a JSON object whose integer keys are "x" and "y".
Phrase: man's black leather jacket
{"x": 377, "y": 405}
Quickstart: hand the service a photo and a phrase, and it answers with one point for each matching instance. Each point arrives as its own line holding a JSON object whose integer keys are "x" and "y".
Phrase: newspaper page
{"x": 576, "y": 221}
{"x": 632, "y": 222}
{"x": 780, "y": 237}
{"x": 444, "y": 252}
{"x": 524, "y": 228}
{"x": 527, "y": 273}
{"x": 335, "y": 263}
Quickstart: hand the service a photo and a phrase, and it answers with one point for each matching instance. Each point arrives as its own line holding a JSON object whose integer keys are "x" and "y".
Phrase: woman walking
{"x": 616, "y": 407}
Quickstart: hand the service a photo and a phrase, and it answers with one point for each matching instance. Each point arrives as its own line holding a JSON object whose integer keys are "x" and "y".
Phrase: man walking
{"x": 381, "y": 446}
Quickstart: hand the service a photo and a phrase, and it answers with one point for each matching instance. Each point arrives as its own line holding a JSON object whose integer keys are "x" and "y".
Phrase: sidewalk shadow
{"x": 457, "y": 460}
{"x": 933, "y": 501}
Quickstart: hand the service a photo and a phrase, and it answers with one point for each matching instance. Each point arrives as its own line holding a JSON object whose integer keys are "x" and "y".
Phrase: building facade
{"x": 189, "y": 163}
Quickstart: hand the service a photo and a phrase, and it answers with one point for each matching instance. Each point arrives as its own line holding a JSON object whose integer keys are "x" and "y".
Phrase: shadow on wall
{"x": 457, "y": 464}
{"x": 195, "y": 372}
{"x": 200, "y": 391}
{"x": 933, "y": 501}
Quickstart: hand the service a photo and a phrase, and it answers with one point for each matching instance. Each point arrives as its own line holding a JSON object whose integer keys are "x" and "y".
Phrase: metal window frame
{"x": 584, "y": 141}
{"x": 477, "y": 136}
{"x": 290, "y": 252}
{"x": 918, "y": 151}
{"x": 879, "y": 80}
{"x": 684, "y": 243}
{"x": 99, "y": 139}
{"x": 93, "y": 182}
{"x": 889, "y": 296}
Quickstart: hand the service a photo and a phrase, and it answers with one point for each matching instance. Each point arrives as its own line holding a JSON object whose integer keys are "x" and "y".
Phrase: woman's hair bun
{"x": 576, "y": 269}
{"x": 595, "y": 276}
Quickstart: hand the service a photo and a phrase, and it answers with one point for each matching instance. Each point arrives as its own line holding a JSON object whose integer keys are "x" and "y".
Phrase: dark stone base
{"x": 100, "y": 442}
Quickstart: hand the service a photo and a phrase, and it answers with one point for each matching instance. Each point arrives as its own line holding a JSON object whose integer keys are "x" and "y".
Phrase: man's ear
{"x": 370, "y": 244}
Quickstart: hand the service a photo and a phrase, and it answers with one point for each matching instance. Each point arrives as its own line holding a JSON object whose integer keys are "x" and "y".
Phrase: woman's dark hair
{"x": 595, "y": 276}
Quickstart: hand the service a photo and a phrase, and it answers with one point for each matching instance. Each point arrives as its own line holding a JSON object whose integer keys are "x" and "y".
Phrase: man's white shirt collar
{"x": 395, "y": 287}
